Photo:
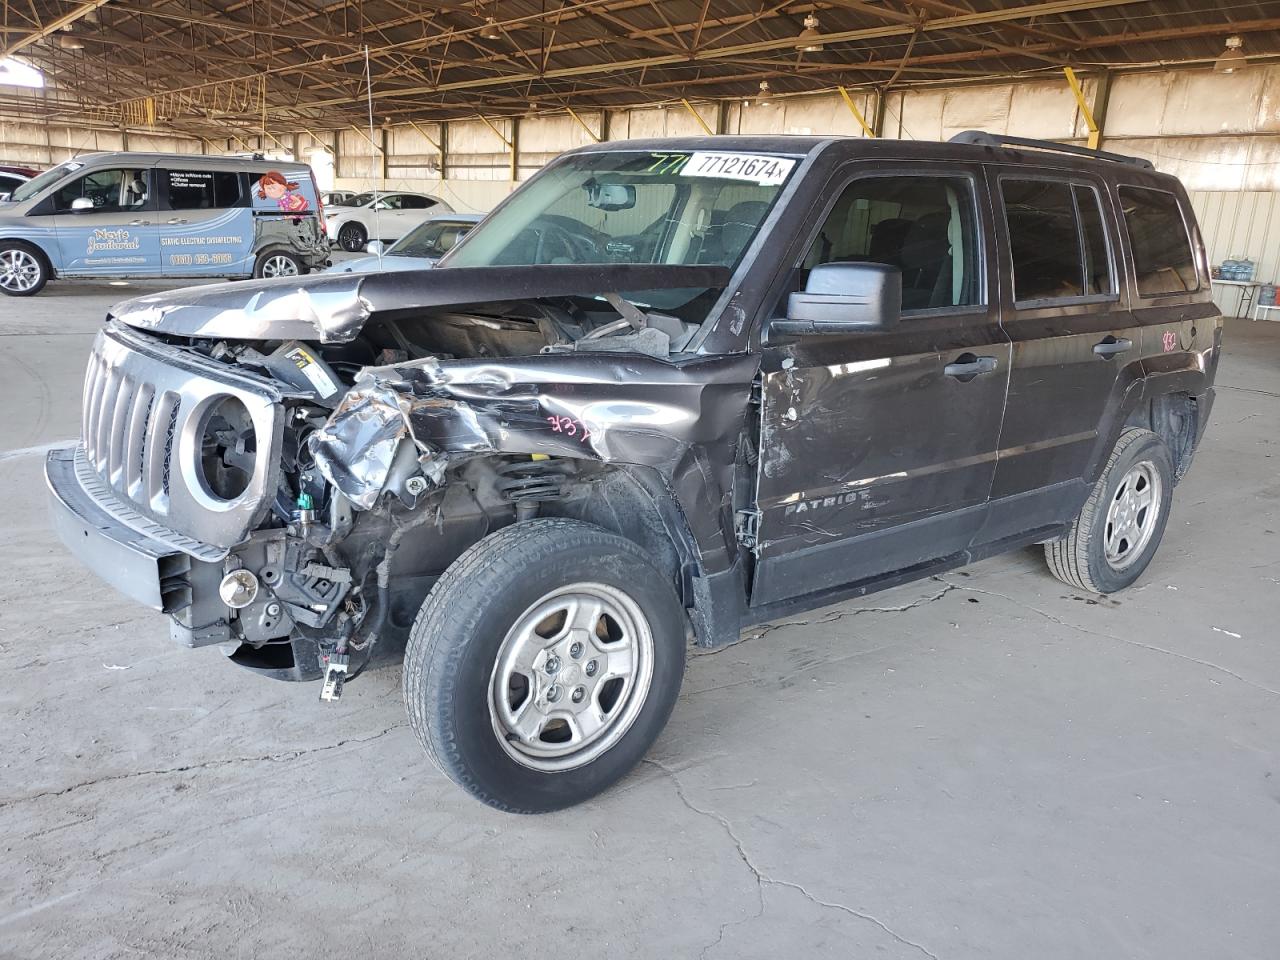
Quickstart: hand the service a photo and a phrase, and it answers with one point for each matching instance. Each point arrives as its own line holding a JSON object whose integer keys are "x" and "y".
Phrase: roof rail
{"x": 983, "y": 139}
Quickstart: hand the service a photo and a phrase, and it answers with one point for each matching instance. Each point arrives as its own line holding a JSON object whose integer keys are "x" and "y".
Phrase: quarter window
{"x": 1162, "y": 256}
{"x": 924, "y": 226}
{"x": 1056, "y": 240}
{"x": 204, "y": 189}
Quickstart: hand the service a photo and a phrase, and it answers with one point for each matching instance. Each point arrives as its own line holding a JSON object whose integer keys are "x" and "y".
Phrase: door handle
{"x": 1111, "y": 346}
{"x": 171, "y": 222}
{"x": 139, "y": 223}
{"x": 967, "y": 366}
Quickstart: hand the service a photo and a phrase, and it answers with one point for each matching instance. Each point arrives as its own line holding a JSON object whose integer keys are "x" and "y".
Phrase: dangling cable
{"x": 373, "y": 178}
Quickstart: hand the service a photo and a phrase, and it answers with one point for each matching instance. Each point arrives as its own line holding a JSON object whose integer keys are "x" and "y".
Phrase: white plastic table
{"x": 1261, "y": 310}
{"x": 1248, "y": 293}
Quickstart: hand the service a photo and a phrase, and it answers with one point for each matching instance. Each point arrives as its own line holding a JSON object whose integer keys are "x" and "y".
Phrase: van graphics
{"x": 199, "y": 241}
{"x": 274, "y": 185}
{"x": 112, "y": 240}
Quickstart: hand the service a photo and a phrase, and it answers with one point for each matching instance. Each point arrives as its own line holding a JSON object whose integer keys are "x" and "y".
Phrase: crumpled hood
{"x": 333, "y": 308}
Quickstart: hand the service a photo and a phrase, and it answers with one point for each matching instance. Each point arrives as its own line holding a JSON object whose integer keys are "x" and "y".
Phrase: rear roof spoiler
{"x": 983, "y": 139}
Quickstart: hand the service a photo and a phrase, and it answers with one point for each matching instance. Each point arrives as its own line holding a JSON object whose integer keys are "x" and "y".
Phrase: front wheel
{"x": 23, "y": 270}
{"x": 278, "y": 263}
{"x": 543, "y": 664}
{"x": 352, "y": 237}
{"x": 1119, "y": 528}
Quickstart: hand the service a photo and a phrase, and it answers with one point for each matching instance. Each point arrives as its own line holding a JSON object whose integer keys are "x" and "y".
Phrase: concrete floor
{"x": 985, "y": 765}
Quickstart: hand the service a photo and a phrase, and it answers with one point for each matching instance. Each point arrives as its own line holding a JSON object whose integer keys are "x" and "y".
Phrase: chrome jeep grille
{"x": 143, "y": 432}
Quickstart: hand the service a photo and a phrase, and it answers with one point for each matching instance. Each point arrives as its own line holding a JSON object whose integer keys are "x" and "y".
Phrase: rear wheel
{"x": 352, "y": 237}
{"x": 278, "y": 263}
{"x": 1119, "y": 528}
{"x": 24, "y": 270}
{"x": 543, "y": 664}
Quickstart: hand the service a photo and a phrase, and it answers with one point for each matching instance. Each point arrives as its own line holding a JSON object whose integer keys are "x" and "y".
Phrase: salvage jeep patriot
{"x": 667, "y": 389}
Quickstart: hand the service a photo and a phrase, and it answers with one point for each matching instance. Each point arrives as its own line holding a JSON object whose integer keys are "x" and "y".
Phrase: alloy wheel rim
{"x": 19, "y": 270}
{"x": 351, "y": 240}
{"x": 1132, "y": 515}
{"x": 571, "y": 676}
{"x": 279, "y": 266}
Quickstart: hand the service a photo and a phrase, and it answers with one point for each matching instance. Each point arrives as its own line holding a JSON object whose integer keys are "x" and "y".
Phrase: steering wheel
{"x": 553, "y": 241}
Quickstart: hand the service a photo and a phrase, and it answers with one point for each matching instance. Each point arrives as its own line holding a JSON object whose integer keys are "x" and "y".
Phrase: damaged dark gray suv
{"x": 667, "y": 389}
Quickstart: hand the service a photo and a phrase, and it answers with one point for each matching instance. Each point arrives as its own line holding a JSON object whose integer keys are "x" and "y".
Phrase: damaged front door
{"x": 878, "y": 449}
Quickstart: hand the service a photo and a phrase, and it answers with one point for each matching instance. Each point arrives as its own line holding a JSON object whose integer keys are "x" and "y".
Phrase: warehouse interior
{"x": 983, "y": 764}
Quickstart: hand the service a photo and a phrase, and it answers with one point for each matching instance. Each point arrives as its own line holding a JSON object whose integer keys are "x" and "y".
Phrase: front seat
{"x": 740, "y": 223}
{"x": 136, "y": 193}
{"x": 926, "y": 251}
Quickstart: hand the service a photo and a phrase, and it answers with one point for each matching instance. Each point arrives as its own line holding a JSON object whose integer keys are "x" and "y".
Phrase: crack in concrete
{"x": 204, "y": 765}
{"x": 764, "y": 880}
{"x": 1108, "y": 636}
{"x": 769, "y": 628}
{"x": 820, "y": 663}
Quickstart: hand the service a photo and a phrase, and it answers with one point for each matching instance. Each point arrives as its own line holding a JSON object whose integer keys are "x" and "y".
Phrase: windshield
{"x": 678, "y": 207}
{"x": 432, "y": 239}
{"x": 33, "y": 186}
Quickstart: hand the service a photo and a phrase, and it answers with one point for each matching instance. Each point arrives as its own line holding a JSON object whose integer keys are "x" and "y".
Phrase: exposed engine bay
{"x": 409, "y": 441}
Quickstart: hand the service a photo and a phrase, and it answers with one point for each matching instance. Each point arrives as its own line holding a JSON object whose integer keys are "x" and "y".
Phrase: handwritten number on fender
{"x": 569, "y": 427}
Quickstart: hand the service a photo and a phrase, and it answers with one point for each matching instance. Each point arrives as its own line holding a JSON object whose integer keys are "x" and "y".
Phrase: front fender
{"x": 682, "y": 420}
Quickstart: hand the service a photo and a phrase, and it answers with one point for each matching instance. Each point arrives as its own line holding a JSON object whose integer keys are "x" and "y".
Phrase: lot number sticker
{"x": 764, "y": 170}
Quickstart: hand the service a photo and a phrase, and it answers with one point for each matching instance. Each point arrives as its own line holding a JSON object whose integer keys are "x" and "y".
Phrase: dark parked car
{"x": 667, "y": 388}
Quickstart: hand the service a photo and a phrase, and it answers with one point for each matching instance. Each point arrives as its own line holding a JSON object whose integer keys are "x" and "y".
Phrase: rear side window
{"x": 923, "y": 225}
{"x": 204, "y": 189}
{"x": 1162, "y": 256}
{"x": 1056, "y": 240}
{"x": 415, "y": 203}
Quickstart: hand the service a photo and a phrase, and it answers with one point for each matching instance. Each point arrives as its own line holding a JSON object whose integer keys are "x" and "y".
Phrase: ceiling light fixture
{"x": 810, "y": 40}
{"x": 69, "y": 42}
{"x": 764, "y": 98}
{"x": 1232, "y": 59}
{"x": 490, "y": 30}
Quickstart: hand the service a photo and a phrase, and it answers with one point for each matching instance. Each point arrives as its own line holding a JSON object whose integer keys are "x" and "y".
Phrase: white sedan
{"x": 381, "y": 216}
{"x": 417, "y": 250}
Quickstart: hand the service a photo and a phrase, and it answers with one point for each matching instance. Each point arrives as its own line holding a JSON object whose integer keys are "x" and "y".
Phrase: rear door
{"x": 877, "y": 450}
{"x": 106, "y": 223}
{"x": 205, "y": 222}
{"x": 1072, "y": 334}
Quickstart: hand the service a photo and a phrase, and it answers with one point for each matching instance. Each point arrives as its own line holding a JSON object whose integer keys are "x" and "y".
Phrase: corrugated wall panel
{"x": 1237, "y": 224}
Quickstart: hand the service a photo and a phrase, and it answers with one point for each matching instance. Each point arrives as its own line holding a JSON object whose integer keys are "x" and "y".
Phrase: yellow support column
{"x": 1095, "y": 134}
{"x": 857, "y": 114}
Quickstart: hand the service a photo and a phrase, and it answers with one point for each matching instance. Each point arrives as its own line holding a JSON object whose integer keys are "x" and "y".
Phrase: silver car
{"x": 416, "y": 250}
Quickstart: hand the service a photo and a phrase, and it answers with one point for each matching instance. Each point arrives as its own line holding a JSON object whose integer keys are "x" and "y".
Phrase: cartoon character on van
{"x": 274, "y": 185}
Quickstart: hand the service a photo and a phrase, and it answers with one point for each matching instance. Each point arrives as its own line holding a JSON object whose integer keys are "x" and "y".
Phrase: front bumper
{"x": 134, "y": 563}
{"x": 150, "y": 568}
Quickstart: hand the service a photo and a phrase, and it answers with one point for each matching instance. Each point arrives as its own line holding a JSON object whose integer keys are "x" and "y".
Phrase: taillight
{"x": 324, "y": 226}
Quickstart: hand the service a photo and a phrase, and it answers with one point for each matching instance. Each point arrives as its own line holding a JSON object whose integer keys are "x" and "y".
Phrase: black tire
{"x": 352, "y": 237}
{"x": 1080, "y": 559}
{"x": 454, "y": 648}
{"x": 30, "y": 257}
{"x": 270, "y": 265}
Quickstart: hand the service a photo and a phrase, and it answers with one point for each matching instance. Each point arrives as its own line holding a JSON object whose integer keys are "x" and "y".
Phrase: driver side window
{"x": 922, "y": 225}
{"x": 110, "y": 191}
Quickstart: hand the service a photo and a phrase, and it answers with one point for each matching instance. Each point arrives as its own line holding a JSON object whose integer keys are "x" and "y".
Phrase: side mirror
{"x": 81, "y": 204}
{"x": 375, "y": 248}
{"x": 844, "y": 298}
